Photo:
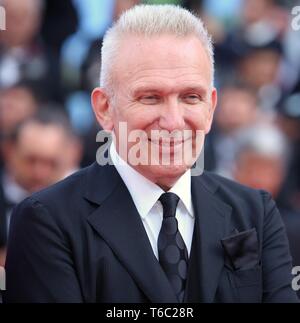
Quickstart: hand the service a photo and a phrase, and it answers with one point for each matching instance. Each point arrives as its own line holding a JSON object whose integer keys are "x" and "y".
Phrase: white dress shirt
{"x": 13, "y": 193}
{"x": 145, "y": 195}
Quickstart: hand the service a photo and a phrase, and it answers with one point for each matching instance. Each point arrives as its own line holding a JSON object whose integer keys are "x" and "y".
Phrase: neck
{"x": 166, "y": 185}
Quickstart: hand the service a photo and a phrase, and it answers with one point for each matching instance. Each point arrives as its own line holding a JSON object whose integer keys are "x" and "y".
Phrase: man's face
{"x": 260, "y": 172}
{"x": 260, "y": 67}
{"x": 238, "y": 109}
{"x": 22, "y": 21}
{"x": 161, "y": 84}
{"x": 16, "y": 105}
{"x": 37, "y": 158}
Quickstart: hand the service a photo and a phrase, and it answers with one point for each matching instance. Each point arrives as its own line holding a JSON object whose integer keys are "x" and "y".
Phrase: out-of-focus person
{"x": 261, "y": 162}
{"x": 40, "y": 152}
{"x": 288, "y": 119}
{"x": 237, "y": 109}
{"x": 60, "y": 20}
{"x": 16, "y": 104}
{"x": 73, "y": 153}
{"x": 253, "y": 50}
{"x": 23, "y": 54}
{"x": 261, "y": 158}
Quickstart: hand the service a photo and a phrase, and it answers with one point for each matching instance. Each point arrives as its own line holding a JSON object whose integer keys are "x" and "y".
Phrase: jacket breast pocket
{"x": 247, "y": 284}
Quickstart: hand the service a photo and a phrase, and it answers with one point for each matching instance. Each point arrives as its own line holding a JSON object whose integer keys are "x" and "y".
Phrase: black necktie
{"x": 172, "y": 252}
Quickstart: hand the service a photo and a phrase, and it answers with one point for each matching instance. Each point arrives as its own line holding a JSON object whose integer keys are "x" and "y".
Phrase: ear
{"x": 213, "y": 104}
{"x": 102, "y": 108}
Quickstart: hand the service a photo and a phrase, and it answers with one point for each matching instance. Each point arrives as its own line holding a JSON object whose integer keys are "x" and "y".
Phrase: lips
{"x": 168, "y": 143}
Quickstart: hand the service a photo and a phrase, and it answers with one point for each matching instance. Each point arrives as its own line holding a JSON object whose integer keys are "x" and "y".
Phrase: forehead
{"x": 167, "y": 57}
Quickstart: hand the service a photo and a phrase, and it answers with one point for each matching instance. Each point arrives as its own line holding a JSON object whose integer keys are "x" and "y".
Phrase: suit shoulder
{"x": 250, "y": 207}
{"x": 59, "y": 208}
{"x": 231, "y": 190}
{"x": 215, "y": 181}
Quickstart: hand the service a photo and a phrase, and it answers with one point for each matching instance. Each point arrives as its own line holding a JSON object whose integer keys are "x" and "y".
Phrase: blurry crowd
{"x": 50, "y": 62}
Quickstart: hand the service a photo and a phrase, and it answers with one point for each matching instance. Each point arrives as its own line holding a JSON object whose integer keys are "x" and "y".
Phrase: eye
{"x": 192, "y": 98}
{"x": 149, "y": 99}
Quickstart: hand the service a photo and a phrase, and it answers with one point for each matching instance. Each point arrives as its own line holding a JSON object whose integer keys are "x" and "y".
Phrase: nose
{"x": 171, "y": 117}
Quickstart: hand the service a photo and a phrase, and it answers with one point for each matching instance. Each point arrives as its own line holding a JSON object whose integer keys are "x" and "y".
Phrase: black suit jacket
{"x": 82, "y": 240}
{"x": 3, "y": 211}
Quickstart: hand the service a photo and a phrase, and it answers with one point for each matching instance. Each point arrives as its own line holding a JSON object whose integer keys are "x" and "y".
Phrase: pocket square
{"x": 241, "y": 249}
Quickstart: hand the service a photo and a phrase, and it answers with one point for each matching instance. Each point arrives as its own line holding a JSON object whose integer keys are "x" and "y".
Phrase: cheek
{"x": 137, "y": 119}
{"x": 199, "y": 119}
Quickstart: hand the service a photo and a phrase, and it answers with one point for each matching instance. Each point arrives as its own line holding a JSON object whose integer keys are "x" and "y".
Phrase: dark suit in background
{"x": 3, "y": 212}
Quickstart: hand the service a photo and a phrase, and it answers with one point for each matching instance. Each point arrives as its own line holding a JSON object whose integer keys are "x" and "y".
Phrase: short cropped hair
{"x": 147, "y": 21}
{"x": 47, "y": 116}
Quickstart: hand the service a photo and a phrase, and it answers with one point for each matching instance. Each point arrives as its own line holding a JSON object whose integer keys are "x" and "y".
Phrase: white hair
{"x": 151, "y": 20}
{"x": 264, "y": 139}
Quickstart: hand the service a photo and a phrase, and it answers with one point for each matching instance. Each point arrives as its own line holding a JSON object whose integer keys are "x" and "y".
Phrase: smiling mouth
{"x": 169, "y": 147}
{"x": 168, "y": 142}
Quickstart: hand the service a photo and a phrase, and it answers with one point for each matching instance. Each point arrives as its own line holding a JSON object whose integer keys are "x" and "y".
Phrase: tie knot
{"x": 169, "y": 202}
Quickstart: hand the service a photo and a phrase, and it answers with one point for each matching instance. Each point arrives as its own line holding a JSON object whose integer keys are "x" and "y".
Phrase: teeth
{"x": 167, "y": 144}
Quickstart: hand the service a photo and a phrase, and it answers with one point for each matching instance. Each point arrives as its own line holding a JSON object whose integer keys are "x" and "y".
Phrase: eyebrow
{"x": 153, "y": 89}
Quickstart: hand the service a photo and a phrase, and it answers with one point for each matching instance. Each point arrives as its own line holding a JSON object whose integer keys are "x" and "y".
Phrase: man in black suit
{"x": 32, "y": 161}
{"x": 2, "y": 218}
{"x": 145, "y": 229}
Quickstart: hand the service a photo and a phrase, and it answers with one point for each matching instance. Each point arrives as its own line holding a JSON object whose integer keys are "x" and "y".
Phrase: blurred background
{"x": 50, "y": 61}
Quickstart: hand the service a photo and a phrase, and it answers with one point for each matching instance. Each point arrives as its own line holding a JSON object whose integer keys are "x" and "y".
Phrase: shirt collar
{"x": 183, "y": 189}
{"x": 146, "y": 193}
{"x": 13, "y": 192}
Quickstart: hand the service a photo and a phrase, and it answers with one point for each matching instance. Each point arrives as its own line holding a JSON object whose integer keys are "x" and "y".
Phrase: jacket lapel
{"x": 212, "y": 223}
{"x": 117, "y": 221}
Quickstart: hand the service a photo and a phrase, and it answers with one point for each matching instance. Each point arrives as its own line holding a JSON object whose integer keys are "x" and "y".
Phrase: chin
{"x": 165, "y": 175}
